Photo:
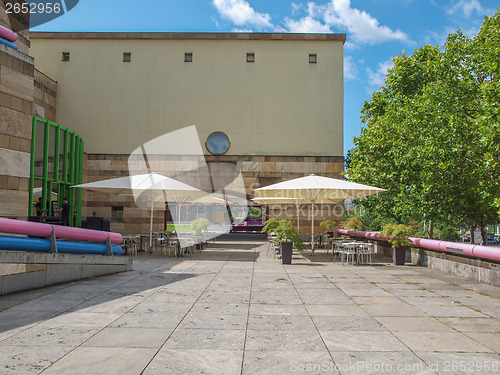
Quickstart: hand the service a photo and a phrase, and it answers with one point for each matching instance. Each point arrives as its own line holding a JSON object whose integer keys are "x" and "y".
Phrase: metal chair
{"x": 349, "y": 253}
{"x": 366, "y": 251}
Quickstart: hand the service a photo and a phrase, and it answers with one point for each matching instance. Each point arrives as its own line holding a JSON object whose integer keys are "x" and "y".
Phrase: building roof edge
{"x": 188, "y": 36}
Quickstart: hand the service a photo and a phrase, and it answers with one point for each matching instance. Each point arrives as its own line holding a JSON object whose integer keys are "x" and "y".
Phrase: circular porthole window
{"x": 218, "y": 143}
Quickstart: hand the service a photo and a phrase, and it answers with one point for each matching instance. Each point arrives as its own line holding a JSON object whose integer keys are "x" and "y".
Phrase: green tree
{"x": 432, "y": 134}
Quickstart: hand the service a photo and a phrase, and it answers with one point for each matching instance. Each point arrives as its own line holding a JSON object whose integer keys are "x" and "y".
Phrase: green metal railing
{"x": 59, "y": 167}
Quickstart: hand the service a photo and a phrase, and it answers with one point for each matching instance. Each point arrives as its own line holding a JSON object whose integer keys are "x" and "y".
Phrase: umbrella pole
{"x": 312, "y": 236}
{"x": 151, "y": 227}
{"x": 298, "y": 219}
{"x": 178, "y": 218}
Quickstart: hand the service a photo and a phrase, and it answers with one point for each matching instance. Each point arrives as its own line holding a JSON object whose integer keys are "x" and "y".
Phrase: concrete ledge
{"x": 475, "y": 269}
{"x": 21, "y": 270}
{"x": 484, "y": 271}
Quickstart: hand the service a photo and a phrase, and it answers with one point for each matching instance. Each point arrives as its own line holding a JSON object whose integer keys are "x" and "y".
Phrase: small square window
{"x": 313, "y": 58}
{"x": 250, "y": 57}
{"x": 188, "y": 57}
{"x": 65, "y": 56}
{"x": 127, "y": 57}
{"x": 117, "y": 212}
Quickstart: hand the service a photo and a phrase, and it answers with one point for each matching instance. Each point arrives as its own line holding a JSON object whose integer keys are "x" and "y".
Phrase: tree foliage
{"x": 353, "y": 223}
{"x": 432, "y": 133}
{"x": 199, "y": 225}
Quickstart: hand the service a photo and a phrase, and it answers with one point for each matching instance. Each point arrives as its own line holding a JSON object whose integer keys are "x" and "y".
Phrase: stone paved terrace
{"x": 234, "y": 309}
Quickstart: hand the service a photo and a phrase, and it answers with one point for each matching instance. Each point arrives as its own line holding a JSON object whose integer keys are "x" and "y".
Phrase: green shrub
{"x": 285, "y": 232}
{"x": 353, "y": 223}
{"x": 399, "y": 233}
{"x": 329, "y": 225}
{"x": 270, "y": 226}
{"x": 199, "y": 225}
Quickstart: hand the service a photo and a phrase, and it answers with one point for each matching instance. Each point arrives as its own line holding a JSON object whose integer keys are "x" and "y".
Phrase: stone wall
{"x": 24, "y": 91}
{"x": 16, "y": 103}
{"x": 22, "y": 270}
{"x": 18, "y": 23}
{"x": 44, "y": 96}
{"x": 257, "y": 171}
{"x": 475, "y": 269}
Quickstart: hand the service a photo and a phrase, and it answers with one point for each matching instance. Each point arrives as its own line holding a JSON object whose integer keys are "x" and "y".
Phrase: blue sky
{"x": 376, "y": 30}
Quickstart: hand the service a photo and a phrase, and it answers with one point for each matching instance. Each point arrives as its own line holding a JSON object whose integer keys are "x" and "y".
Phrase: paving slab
{"x": 473, "y": 324}
{"x": 129, "y": 338}
{"x": 196, "y": 361}
{"x": 413, "y": 324}
{"x": 235, "y": 309}
{"x": 217, "y": 339}
{"x": 461, "y": 363}
{"x": 279, "y": 362}
{"x": 362, "y": 341}
{"x": 440, "y": 342}
{"x": 27, "y": 360}
{"x": 102, "y": 361}
{"x": 369, "y": 363}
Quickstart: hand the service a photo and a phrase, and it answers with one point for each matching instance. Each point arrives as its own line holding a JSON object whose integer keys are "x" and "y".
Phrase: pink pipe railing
{"x": 477, "y": 251}
{"x": 8, "y": 34}
{"x": 30, "y": 228}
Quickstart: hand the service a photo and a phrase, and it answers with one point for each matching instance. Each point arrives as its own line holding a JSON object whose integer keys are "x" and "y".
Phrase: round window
{"x": 218, "y": 143}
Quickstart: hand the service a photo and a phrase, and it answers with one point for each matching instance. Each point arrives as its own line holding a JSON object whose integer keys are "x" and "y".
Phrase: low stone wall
{"x": 475, "y": 269}
{"x": 20, "y": 270}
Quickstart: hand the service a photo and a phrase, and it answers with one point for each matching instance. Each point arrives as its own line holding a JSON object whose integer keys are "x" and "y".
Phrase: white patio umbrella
{"x": 314, "y": 189}
{"x": 150, "y": 187}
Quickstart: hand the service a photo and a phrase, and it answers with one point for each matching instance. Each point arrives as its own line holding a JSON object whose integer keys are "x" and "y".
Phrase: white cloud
{"x": 466, "y": 7}
{"x": 242, "y": 30}
{"x": 337, "y": 14}
{"x": 350, "y": 71}
{"x": 361, "y": 26}
{"x": 241, "y": 13}
{"x": 377, "y": 78}
{"x": 296, "y": 8}
{"x": 306, "y": 25}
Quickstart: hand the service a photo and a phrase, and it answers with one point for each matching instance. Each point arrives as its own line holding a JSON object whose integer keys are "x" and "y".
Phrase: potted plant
{"x": 198, "y": 226}
{"x": 270, "y": 226}
{"x": 399, "y": 240}
{"x": 287, "y": 236}
{"x": 330, "y": 226}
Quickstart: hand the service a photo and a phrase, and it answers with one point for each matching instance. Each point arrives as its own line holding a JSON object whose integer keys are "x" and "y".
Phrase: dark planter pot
{"x": 286, "y": 252}
{"x": 399, "y": 255}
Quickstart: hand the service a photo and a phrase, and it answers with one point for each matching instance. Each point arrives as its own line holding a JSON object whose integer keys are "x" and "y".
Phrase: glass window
{"x": 218, "y": 143}
{"x": 313, "y": 58}
{"x": 188, "y": 57}
{"x": 127, "y": 57}
{"x": 65, "y": 56}
{"x": 250, "y": 57}
{"x": 117, "y": 212}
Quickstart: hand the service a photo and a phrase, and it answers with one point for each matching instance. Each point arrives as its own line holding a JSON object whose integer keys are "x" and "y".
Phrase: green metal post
{"x": 65, "y": 159}
{"x": 32, "y": 167}
{"x": 70, "y": 174}
{"x": 79, "y": 181}
{"x": 57, "y": 142}
{"x": 45, "y": 169}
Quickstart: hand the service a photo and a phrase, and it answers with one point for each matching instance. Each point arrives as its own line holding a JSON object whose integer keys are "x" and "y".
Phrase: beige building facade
{"x": 277, "y": 97}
